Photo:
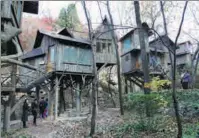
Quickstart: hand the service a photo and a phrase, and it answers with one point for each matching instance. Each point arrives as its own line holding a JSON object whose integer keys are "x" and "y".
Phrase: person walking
{"x": 34, "y": 107}
{"x": 186, "y": 79}
{"x": 46, "y": 108}
{"x": 24, "y": 117}
{"x": 42, "y": 107}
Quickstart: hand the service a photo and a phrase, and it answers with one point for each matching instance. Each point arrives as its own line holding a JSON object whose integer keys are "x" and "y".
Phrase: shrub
{"x": 139, "y": 102}
{"x": 158, "y": 84}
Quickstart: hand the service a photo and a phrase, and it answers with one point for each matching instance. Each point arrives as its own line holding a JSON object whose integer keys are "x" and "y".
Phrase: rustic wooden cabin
{"x": 131, "y": 56}
{"x": 105, "y": 52}
{"x": 60, "y": 51}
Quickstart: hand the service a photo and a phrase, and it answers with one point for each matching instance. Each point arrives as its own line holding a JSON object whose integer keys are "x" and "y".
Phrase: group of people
{"x": 43, "y": 110}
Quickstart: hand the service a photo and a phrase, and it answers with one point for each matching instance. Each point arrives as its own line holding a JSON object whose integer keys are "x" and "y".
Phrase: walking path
{"x": 71, "y": 127}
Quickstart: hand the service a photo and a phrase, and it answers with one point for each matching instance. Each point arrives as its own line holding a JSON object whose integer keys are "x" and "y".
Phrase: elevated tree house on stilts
{"x": 68, "y": 62}
{"x": 131, "y": 59}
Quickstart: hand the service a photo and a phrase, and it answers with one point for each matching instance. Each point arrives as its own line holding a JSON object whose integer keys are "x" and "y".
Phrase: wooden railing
{"x": 105, "y": 58}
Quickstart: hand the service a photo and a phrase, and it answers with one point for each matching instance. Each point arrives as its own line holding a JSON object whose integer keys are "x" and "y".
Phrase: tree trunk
{"x": 118, "y": 59}
{"x": 195, "y": 72}
{"x": 142, "y": 36}
{"x": 175, "y": 102}
{"x": 94, "y": 88}
{"x": 194, "y": 68}
{"x": 56, "y": 97}
{"x": 109, "y": 79}
{"x": 166, "y": 32}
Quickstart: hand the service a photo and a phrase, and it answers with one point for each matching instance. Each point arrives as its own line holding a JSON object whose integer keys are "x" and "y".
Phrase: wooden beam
{"x": 104, "y": 65}
{"x": 78, "y": 99}
{"x": 17, "y": 104}
{"x": 12, "y": 61}
{"x": 7, "y": 89}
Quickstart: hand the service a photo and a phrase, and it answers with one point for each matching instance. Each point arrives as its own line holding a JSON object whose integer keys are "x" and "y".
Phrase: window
{"x": 70, "y": 54}
{"x": 109, "y": 48}
{"x": 52, "y": 54}
{"x": 103, "y": 47}
{"x": 98, "y": 48}
{"x": 127, "y": 58}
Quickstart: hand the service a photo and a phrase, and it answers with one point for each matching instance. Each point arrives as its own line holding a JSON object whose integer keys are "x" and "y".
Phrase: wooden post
{"x": 131, "y": 87}
{"x": 72, "y": 96}
{"x": 6, "y": 124}
{"x": 50, "y": 100}
{"x": 126, "y": 86}
{"x": 56, "y": 97}
{"x": 78, "y": 99}
{"x": 37, "y": 94}
{"x": 90, "y": 98}
{"x": 7, "y": 109}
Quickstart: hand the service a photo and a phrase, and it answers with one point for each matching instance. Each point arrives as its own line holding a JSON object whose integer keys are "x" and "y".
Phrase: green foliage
{"x": 68, "y": 17}
{"x": 158, "y": 84}
{"x": 138, "y": 102}
{"x": 190, "y": 130}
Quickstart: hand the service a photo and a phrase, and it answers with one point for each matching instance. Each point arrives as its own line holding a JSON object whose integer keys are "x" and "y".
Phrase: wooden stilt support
{"x": 56, "y": 97}
{"x": 78, "y": 99}
{"x": 7, "y": 106}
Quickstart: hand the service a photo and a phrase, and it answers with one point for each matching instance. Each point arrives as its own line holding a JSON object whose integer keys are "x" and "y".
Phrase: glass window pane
{"x": 52, "y": 54}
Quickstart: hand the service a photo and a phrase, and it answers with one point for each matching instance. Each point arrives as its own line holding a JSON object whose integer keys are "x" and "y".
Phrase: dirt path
{"x": 71, "y": 127}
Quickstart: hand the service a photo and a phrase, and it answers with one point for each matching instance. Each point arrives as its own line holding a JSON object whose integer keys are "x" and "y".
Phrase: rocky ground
{"x": 68, "y": 126}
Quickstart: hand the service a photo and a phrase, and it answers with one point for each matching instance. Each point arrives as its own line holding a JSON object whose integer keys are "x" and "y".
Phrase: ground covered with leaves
{"x": 134, "y": 124}
{"x": 161, "y": 121}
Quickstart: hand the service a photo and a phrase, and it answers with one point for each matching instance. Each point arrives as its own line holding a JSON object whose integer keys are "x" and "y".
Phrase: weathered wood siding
{"x": 183, "y": 59}
{"x": 71, "y": 58}
{"x": 105, "y": 52}
{"x": 131, "y": 62}
{"x": 106, "y": 58}
{"x": 184, "y": 48}
{"x": 132, "y": 42}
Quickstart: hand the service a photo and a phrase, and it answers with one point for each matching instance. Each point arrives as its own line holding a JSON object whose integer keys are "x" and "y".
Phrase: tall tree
{"x": 111, "y": 27}
{"x": 175, "y": 102}
{"x": 94, "y": 88}
{"x": 166, "y": 33}
{"x": 142, "y": 33}
{"x": 68, "y": 17}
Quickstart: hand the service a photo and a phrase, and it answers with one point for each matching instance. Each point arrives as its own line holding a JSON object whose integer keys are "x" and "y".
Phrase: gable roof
{"x": 158, "y": 44}
{"x": 41, "y": 33}
{"x": 127, "y": 34}
{"x": 65, "y": 32}
{"x": 103, "y": 28}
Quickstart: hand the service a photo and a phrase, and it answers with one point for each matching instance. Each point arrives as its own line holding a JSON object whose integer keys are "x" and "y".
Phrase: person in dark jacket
{"x": 25, "y": 113}
{"x": 34, "y": 107}
{"x": 186, "y": 79}
{"x": 42, "y": 107}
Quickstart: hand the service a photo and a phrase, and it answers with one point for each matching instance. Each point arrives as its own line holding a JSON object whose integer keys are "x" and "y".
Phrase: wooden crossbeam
{"x": 7, "y": 89}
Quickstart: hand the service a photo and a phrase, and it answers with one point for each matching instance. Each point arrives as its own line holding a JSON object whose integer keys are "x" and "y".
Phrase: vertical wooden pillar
{"x": 126, "y": 86}
{"x": 37, "y": 93}
{"x": 8, "y": 104}
{"x": 131, "y": 87}
{"x": 6, "y": 124}
{"x": 56, "y": 96}
{"x": 50, "y": 99}
{"x": 90, "y": 98}
{"x": 78, "y": 99}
